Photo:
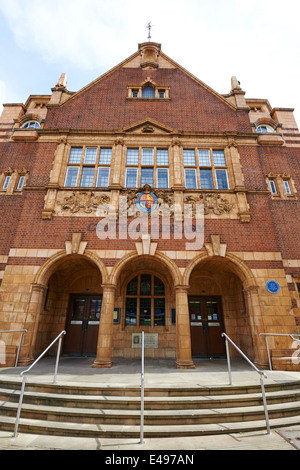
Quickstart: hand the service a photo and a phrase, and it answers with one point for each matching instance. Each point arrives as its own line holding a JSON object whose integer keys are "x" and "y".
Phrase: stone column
{"x": 36, "y": 303}
{"x": 183, "y": 331}
{"x": 104, "y": 346}
{"x": 178, "y": 171}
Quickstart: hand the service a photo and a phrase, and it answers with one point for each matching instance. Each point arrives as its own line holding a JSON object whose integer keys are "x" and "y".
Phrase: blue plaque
{"x": 273, "y": 287}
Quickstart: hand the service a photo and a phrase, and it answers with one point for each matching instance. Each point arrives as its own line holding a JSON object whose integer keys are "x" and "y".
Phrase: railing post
{"x": 19, "y": 406}
{"x": 268, "y": 352}
{"x": 142, "y": 394}
{"x": 228, "y": 360}
{"x": 57, "y": 359}
{"x": 265, "y": 403}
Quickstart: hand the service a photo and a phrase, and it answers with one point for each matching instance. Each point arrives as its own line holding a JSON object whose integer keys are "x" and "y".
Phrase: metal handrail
{"x": 292, "y": 336}
{"x": 23, "y": 373}
{"x": 260, "y": 372}
{"x": 20, "y": 342}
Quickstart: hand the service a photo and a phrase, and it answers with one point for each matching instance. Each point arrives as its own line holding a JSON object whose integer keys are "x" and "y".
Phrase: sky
{"x": 256, "y": 41}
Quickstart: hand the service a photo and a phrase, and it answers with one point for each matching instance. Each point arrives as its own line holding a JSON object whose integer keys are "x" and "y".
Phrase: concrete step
{"x": 151, "y": 417}
{"x": 154, "y": 403}
{"x": 115, "y": 411}
{"x": 119, "y": 431}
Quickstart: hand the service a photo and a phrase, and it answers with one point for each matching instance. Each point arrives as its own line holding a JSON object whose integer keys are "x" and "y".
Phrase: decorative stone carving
{"x": 165, "y": 199}
{"x": 83, "y": 201}
{"x": 213, "y": 203}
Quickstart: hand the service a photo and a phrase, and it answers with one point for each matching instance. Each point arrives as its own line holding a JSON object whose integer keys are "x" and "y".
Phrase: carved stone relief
{"x": 213, "y": 203}
{"x": 81, "y": 202}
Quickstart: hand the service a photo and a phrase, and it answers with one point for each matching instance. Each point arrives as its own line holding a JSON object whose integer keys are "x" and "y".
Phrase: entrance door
{"x": 206, "y": 322}
{"x": 83, "y": 324}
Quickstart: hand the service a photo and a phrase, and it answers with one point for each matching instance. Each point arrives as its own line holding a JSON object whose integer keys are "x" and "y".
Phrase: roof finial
{"x": 149, "y": 26}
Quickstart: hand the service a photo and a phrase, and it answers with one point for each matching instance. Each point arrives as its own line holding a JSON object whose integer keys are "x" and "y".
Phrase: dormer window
{"x": 31, "y": 125}
{"x": 148, "y": 90}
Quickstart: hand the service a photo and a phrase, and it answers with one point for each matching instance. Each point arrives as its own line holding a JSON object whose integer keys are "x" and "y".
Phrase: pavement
{"x": 158, "y": 373}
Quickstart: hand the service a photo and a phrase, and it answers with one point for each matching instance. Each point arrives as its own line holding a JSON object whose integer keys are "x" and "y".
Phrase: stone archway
{"x": 60, "y": 276}
{"x": 228, "y": 278}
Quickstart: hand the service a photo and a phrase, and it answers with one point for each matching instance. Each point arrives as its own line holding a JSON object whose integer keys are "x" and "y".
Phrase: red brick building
{"x": 149, "y": 137}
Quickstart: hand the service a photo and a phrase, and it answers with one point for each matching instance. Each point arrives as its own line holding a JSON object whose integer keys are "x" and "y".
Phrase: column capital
{"x": 182, "y": 288}
{"x": 109, "y": 287}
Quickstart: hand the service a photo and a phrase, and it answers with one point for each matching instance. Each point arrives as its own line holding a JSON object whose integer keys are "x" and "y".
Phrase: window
{"x": 148, "y": 92}
{"x": 6, "y": 182}
{"x": 145, "y": 301}
{"x": 287, "y": 187}
{"x": 88, "y": 167}
{"x": 264, "y": 129}
{"x": 273, "y": 187}
{"x": 209, "y": 168}
{"x": 20, "y": 182}
{"x": 31, "y": 125}
{"x": 147, "y": 165}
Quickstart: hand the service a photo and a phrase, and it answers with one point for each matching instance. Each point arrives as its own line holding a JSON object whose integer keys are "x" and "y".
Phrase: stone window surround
{"x": 15, "y": 177}
{"x": 279, "y": 180}
{"x": 138, "y": 88}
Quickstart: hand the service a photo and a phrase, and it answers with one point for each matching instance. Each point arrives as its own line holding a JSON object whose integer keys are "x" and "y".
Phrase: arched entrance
{"x": 145, "y": 298}
{"x": 219, "y": 302}
{"x": 67, "y": 294}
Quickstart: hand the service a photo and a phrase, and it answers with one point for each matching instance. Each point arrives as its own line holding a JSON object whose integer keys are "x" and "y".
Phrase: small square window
{"x": 135, "y": 93}
{"x": 132, "y": 157}
{"x": 105, "y": 156}
{"x": 189, "y": 158}
{"x": 162, "y": 157}
{"x": 161, "y": 94}
{"x": 75, "y": 155}
{"x": 90, "y": 156}
{"x": 219, "y": 158}
{"x": 147, "y": 157}
{"x": 204, "y": 158}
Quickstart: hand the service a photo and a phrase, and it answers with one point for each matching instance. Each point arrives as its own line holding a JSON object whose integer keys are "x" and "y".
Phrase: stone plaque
{"x": 150, "y": 340}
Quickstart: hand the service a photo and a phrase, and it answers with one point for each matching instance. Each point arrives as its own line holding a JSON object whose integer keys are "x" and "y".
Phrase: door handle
{"x": 84, "y": 325}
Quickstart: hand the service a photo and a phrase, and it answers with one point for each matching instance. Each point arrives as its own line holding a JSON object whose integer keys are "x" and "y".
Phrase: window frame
{"x": 205, "y": 163}
{"x": 138, "y": 296}
{"x": 141, "y": 164}
{"x": 82, "y": 161}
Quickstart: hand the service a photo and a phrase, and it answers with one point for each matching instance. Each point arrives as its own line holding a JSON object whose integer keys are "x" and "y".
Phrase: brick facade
{"x": 51, "y": 256}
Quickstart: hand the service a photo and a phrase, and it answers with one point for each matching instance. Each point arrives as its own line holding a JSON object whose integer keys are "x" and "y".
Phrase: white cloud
{"x": 256, "y": 41}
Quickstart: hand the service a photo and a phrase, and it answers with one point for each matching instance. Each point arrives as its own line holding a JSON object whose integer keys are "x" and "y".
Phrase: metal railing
{"x": 142, "y": 390}
{"x": 292, "y": 336}
{"x": 59, "y": 337}
{"x": 260, "y": 372}
{"x": 20, "y": 342}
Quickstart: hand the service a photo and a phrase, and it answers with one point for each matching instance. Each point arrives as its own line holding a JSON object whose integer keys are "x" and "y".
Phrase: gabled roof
{"x": 104, "y": 103}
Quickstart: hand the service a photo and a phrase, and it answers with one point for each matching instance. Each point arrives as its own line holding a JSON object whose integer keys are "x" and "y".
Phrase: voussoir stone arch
{"x": 234, "y": 262}
{"x": 54, "y": 262}
{"x": 159, "y": 258}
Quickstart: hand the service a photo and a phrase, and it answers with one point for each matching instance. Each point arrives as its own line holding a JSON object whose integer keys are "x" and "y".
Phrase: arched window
{"x": 31, "y": 125}
{"x": 145, "y": 301}
{"x": 148, "y": 92}
{"x": 264, "y": 129}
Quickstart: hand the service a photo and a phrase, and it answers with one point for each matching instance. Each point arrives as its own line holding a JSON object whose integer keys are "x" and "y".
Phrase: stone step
{"x": 118, "y": 431}
{"x": 124, "y": 402}
{"x": 157, "y": 391}
{"x": 151, "y": 417}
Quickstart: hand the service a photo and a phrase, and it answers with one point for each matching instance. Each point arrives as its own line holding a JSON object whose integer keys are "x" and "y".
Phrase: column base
{"x": 185, "y": 365}
{"x": 104, "y": 364}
